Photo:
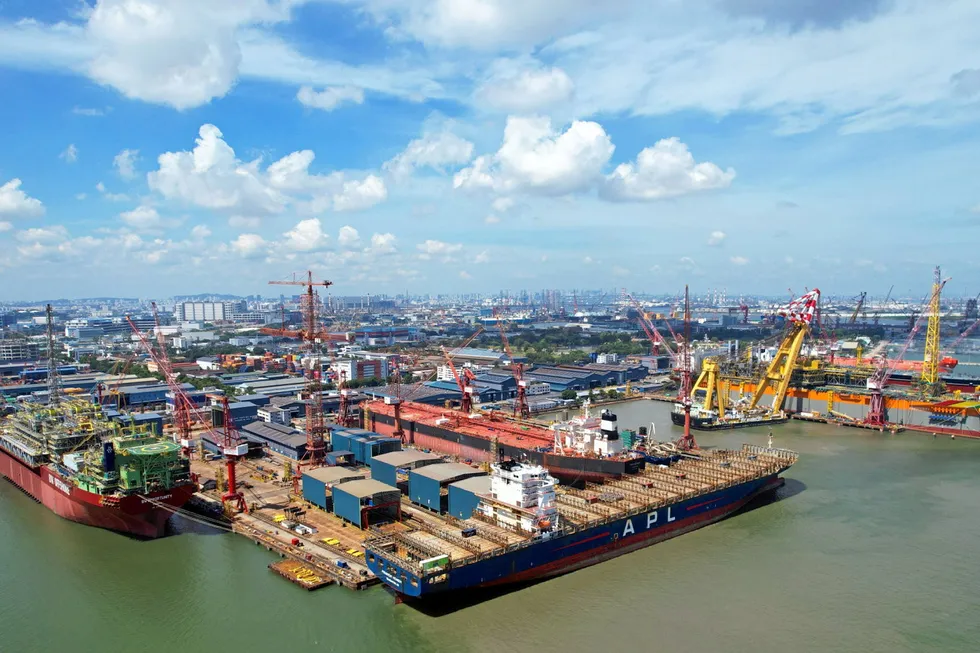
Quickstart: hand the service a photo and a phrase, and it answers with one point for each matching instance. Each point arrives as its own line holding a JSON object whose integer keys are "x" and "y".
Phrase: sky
{"x": 159, "y": 147}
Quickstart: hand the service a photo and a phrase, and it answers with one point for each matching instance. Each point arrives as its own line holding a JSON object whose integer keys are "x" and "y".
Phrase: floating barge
{"x": 529, "y": 528}
{"x": 299, "y": 574}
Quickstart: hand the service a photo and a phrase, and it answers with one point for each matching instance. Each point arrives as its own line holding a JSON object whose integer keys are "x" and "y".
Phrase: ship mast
{"x": 54, "y": 379}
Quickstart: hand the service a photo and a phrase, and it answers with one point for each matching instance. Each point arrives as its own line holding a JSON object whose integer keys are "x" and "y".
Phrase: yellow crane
{"x": 930, "y": 359}
{"x": 799, "y": 313}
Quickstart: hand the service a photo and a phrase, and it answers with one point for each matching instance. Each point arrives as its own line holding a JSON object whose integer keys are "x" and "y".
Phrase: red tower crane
{"x": 312, "y": 335}
{"x": 653, "y": 334}
{"x": 687, "y": 441}
{"x": 521, "y": 408}
{"x": 182, "y": 417}
{"x": 231, "y": 445}
{"x": 233, "y": 449}
{"x": 463, "y": 382}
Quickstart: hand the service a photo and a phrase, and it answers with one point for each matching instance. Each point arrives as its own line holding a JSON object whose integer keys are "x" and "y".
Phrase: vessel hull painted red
{"x": 423, "y": 427}
{"x": 133, "y": 515}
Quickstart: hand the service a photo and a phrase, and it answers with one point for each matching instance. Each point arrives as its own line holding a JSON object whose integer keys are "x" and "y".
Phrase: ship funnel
{"x": 608, "y": 425}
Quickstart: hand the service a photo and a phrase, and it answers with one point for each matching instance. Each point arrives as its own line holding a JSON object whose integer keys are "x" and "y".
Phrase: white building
{"x": 208, "y": 311}
{"x": 274, "y": 415}
{"x": 18, "y": 350}
{"x": 607, "y": 359}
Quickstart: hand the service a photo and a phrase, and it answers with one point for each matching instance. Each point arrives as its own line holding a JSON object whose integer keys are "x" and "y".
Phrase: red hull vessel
{"x": 133, "y": 515}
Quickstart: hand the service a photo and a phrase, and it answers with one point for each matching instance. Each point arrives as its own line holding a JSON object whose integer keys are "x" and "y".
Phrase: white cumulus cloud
{"x": 249, "y": 245}
{"x": 348, "y": 236}
{"x": 536, "y": 158}
{"x": 182, "y": 53}
{"x": 306, "y": 236}
{"x": 383, "y": 244}
{"x": 716, "y": 238}
{"x": 143, "y": 218}
{"x": 329, "y": 98}
{"x": 43, "y": 235}
{"x": 437, "y": 150}
{"x": 482, "y": 257}
{"x": 438, "y": 249}
{"x": 357, "y": 195}
{"x": 511, "y": 87}
{"x": 739, "y": 260}
{"x": 125, "y": 163}
{"x": 211, "y": 176}
{"x": 15, "y": 203}
{"x": 665, "y": 170}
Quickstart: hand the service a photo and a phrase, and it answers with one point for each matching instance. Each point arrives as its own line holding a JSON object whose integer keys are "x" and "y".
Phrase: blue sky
{"x": 158, "y": 147}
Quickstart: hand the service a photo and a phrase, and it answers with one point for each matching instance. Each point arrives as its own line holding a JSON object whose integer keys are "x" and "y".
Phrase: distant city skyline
{"x": 157, "y": 147}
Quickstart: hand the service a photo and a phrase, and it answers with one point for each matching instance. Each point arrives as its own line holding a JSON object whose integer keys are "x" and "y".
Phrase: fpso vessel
{"x": 527, "y": 528}
{"x": 91, "y": 470}
{"x": 572, "y": 457}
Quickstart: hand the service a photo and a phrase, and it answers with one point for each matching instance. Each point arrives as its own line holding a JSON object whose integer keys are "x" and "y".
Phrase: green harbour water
{"x": 872, "y": 546}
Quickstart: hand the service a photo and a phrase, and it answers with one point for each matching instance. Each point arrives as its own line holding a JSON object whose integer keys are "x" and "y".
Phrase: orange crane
{"x": 463, "y": 382}
{"x": 311, "y": 330}
{"x": 521, "y": 408}
{"x": 656, "y": 340}
{"x": 312, "y": 335}
{"x": 182, "y": 418}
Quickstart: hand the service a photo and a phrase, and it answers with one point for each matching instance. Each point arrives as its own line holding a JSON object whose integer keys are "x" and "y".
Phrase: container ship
{"x": 527, "y": 527}
{"x": 574, "y": 455}
{"x": 70, "y": 457}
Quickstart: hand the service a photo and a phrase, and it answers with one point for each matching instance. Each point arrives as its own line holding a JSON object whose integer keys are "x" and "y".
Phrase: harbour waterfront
{"x": 872, "y": 548}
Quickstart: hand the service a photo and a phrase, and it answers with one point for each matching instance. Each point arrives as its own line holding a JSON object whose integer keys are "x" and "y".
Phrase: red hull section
{"x": 133, "y": 515}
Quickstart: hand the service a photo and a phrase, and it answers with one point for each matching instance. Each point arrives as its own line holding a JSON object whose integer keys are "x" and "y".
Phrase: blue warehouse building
{"x": 463, "y": 495}
{"x": 387, "y": 467}
{"x": 363, "y": 444}
{"x": 428, "y": 486}
{"x": 143, "y": 395}
{"x": 242, "y": 412}
{"x": 366, "y": 501}
{"x": 318, "y": 483}
{"x": 494, "y": 386}
{"x": 278, "y": 438}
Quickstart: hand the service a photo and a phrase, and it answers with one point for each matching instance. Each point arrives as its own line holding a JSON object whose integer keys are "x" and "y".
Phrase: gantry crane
{"x": 521, "y": 407}
{"x": 799, "y": 314}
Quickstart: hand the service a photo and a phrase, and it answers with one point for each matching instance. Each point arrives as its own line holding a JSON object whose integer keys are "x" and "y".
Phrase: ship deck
{"x": 700, "y": 472}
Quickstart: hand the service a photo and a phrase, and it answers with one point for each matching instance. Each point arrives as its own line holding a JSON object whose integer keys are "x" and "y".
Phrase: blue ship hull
{"x": 544, "y": 558}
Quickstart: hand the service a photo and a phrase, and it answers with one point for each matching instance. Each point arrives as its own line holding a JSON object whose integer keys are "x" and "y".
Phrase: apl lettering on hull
{"x": 652, "y": 519}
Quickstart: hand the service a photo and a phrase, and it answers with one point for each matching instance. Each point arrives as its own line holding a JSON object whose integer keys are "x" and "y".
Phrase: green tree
{"x": 569, "y": 394}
